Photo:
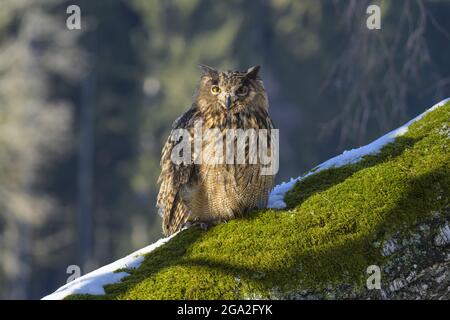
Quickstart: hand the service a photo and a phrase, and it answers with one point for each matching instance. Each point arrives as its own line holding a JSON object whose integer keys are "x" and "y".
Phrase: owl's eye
{"x": 242, "y": 91}
{"x": 215, "y": 89}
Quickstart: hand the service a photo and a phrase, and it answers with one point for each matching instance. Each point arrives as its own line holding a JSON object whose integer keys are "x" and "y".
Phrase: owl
{"x": 212, "y": 186}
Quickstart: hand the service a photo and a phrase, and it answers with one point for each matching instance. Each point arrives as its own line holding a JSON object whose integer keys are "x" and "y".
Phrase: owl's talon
{"x": 203, "y": 226}
{"x": 187, "y": 225}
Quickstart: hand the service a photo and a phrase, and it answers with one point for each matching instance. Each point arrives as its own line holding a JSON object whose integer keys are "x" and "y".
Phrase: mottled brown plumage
{"x": 210, "y": 193}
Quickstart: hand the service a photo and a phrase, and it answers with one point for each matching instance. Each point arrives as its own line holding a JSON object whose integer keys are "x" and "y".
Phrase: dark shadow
{"x": 165, "y": 256}
{"x": 326, "y": 179}
{"x": 169, "y": 254}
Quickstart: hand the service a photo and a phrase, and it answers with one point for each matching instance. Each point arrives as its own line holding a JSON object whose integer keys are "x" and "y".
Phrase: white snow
{"x": 93, "y": 282}
{"x": 351, "y": 156}
{"x": 276, "y": 197}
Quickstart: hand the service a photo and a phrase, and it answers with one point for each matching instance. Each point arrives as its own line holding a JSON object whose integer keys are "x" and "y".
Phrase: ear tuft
{"x": 207, "y": 70}
{"x": 252, "y": 72}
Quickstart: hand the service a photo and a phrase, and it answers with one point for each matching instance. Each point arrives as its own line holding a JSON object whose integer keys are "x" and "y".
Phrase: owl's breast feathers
{"x": 207, "y": 192}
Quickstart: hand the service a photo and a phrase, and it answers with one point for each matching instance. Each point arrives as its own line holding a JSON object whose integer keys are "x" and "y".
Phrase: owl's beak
{"x": 228, "y": 101}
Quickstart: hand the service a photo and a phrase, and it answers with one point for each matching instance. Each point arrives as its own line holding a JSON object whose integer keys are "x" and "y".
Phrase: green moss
{"x": 325, "y": 237}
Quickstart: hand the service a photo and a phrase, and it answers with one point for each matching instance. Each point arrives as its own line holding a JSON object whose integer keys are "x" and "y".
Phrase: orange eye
{"x": 215, "y": 89}
{"x": 242, "y": 91}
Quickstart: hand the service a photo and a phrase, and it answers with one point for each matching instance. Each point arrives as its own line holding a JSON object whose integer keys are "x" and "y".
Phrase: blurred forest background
{"x": 84, "y": 113}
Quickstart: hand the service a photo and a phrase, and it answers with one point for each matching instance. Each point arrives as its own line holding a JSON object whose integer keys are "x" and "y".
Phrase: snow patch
{"x": 276, "y": 197}
{"x": 93, "y": 282}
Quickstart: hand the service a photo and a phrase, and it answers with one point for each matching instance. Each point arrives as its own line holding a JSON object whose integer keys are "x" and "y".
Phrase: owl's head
{"x": 231, "y": 91}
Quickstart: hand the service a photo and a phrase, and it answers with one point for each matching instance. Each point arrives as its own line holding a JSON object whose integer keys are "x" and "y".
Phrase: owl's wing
{"x": 174, "y": 178}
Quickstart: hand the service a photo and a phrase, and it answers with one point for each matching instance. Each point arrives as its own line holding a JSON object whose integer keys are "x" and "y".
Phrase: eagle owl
{"x": 206, "y": 191}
